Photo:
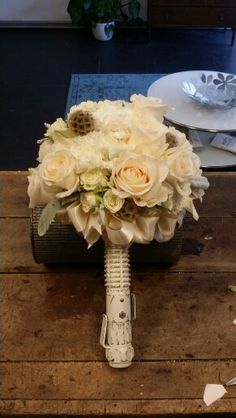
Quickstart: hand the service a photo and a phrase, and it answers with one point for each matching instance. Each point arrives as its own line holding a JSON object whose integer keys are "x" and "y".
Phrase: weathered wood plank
{"x": 119, "y": 408}
{"x": 13, "y": 198}
{"x": 218, "y": 201}
{"x": 208, "y": 245}
{"x": 51, "y": 361}
{"x": 96, "y": 380}
{"x": 58, "y": 317}
{"x": 128, "y": 408}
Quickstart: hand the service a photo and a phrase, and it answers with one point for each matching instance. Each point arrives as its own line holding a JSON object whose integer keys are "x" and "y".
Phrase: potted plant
{"x": 101, "y": 14}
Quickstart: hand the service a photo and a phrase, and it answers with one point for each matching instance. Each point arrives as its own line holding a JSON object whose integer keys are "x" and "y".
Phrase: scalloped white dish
{"x": 216, "y": 90}
{"x": 187, "y": 112}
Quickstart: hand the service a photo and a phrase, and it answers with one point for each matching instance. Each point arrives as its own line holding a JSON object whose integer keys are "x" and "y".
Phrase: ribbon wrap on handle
{"x": 116, "y": 333}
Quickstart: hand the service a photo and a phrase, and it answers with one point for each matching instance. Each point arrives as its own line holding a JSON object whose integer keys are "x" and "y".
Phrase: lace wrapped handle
{"x": 116, "y": 332}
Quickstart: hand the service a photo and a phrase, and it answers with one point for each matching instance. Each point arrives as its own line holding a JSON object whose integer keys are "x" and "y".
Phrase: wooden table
{"x": 184, "y": 336}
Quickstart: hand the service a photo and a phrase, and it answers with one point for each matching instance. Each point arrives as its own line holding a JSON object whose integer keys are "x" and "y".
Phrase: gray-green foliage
{"x": 50, "y": 210}
{"x": 47, "y": 216}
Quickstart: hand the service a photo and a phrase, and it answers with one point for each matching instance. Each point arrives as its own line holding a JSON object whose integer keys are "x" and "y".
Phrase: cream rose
{"x": 184, "y": 166}
{"x": 149, "y": 142}
{"x": 139, "y": 177}
{"x": 45, "y": 148}
{"x": 112, "y": 202}
{"x": 58, "y": 172}
{"x": 89, "y": 200}
{"x": 151, "y": 105}
{"x": 58, "y": 130}
{"x": 94, "y": 179}
{"x": 36, "y": 191}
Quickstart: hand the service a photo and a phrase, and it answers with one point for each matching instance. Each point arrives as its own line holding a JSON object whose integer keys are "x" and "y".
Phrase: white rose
{"x": 155, "y": 107}
{"x": 140, "y": 177}
{"x": 44, "y": 149}
{"x": 112, "y": 202}
{"x": 89, "y": 200}
{"x": 58, "y": 130}
{"x": 184, "y": 166}
{"x": 93, "y": 179}
{"x": 149, "y": 141}
{"x": 36, "y": 191}
{"x": 58, "y": 172}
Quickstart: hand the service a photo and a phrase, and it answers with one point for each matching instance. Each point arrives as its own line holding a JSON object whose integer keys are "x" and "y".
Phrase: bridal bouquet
{"x": 115, "y": 171}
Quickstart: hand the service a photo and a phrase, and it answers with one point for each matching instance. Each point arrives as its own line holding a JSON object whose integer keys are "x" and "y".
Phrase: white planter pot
{"x": 103, "y": 31}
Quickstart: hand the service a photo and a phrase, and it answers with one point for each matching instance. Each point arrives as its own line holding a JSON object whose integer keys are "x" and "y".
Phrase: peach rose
{"x": 140, "y": 177}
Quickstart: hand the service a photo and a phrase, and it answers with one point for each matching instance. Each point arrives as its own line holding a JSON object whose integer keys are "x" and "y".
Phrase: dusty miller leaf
{"x": 69, "y": 199}
{"x": 232, "y": 288}
{"x": 47, "y": 216}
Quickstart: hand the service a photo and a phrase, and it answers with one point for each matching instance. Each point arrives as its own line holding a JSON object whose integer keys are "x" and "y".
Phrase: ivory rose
{"x": 112, "y": 202}
{"x": 45, "y": 148}
{"x": 58, "y": 130}
{"x": 140, "y": 177}
{"x": 148, "y": 136}
{"x": 184, "y": 166}
{"x": 89, "y": 200}
{"x": 36, "y": 190}
{"x": 94, "y": 179}
{"x": 149, "y": 105}
{"x": 58, "y": 172}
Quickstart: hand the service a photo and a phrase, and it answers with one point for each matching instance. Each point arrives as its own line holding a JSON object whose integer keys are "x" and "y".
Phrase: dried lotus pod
{"x": 81, "y": 122}
{"x": 171, "y": 140}
{"x": 128, "y": 211}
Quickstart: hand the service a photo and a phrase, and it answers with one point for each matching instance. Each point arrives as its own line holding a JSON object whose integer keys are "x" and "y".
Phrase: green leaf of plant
{"x": 232, "y": 288}
{"x": 47, "y": 216}
{"x": 75, "y": 9}
{"x": 109, "y": 29}
{"x": 134, "y": 8}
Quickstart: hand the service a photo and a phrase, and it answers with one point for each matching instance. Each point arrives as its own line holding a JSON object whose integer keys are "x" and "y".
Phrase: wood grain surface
{"x": 184, "y": 337}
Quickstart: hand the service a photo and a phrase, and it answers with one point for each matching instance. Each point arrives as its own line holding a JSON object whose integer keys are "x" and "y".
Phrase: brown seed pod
{"x": 81, "y": 122}
{"x": 171, "y": 140}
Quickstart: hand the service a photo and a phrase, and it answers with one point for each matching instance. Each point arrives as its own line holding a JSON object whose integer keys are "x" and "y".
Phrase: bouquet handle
{"x": 116, "y": 331}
